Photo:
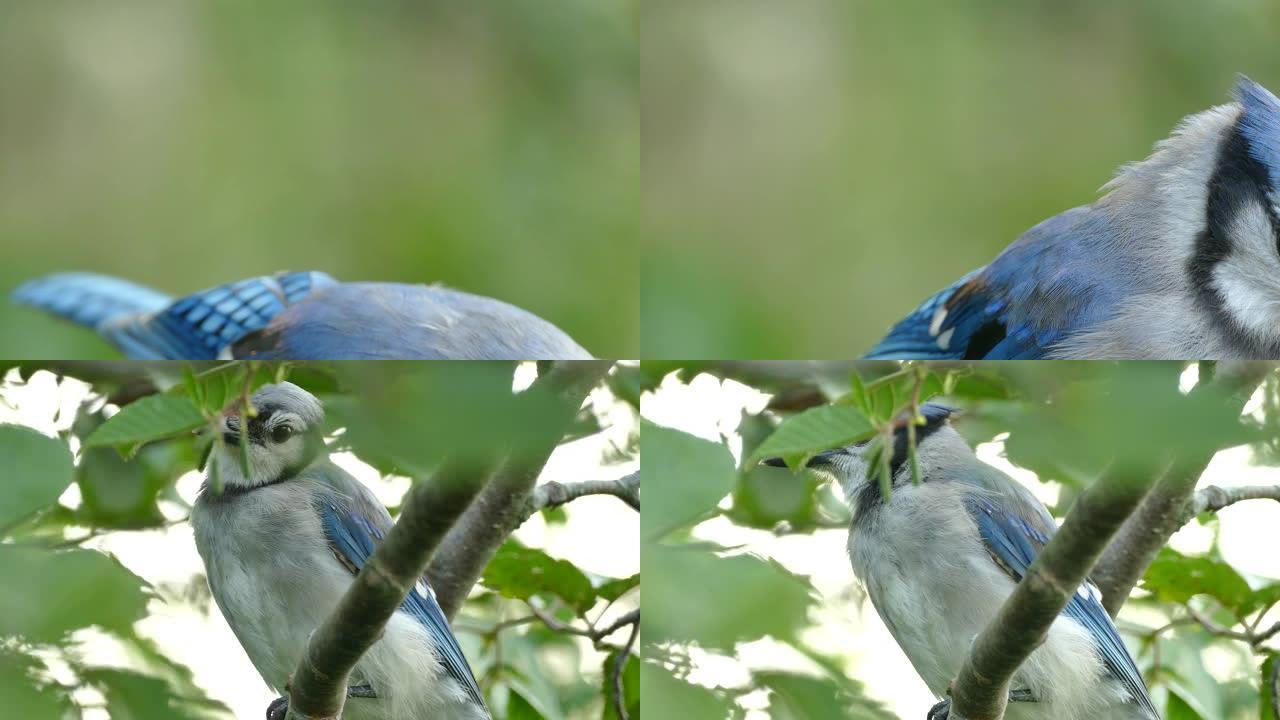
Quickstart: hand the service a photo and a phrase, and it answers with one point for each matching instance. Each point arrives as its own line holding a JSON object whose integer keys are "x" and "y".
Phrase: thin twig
{"x": 619, "y": 666}
{"x": 554, "y": 494}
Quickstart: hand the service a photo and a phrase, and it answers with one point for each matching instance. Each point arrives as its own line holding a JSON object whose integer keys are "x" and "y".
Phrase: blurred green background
{"x": 492, "y": 147}
{"x": 816, "y": 168}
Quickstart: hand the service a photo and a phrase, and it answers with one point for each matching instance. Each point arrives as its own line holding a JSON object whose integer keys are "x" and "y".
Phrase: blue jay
{"x": 282, "y": 544}
{"x": 300, "y": 316}
{"x": 939, "y": 558}
{"x": 1179, "y": 259}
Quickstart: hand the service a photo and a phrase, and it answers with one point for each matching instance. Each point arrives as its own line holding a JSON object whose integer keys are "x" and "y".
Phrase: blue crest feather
{"x": 1260, "y": 126}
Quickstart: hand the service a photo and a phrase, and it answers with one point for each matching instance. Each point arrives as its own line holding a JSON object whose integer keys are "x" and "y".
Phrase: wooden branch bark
{"x": 1214, "y": 498}
{"x": 1166, "y": 507}
{"x": 431, "y": 508}
{"x": 553, "y": 494}
{"x": 500, "y": 508}
{"x": 980, "y": 691}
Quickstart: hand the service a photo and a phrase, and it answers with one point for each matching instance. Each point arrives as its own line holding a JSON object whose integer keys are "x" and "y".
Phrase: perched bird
{"x": 282, "y": 544}
{"x": 300, "y": 316}
{"x": 1179, "y": 259}
{"x": 939, "y": 558}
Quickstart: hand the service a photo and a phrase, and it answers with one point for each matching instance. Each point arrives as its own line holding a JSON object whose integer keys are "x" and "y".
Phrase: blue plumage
{"x": 88, "y": 299}
{"x": 1014, "y": 541}
{"x": 1260, "y": 125}
{"x": 353, "y": 537}
{"x": 1178, "y": 260}
{"x": 1044, "y": 286}
{"x": 300, "y": 316}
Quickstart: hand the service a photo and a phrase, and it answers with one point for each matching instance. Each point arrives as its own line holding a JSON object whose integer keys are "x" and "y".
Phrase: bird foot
{"x": 942, "y": 711}
{"x": 278, "y": 708}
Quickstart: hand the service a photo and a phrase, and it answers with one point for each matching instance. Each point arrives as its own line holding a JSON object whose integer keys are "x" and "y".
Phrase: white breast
{"x": 276, "y": 580}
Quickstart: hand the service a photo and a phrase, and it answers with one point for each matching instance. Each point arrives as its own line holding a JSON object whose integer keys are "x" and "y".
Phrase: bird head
{"x": 283, "y": 435}
{"x": 1202, "y": 212}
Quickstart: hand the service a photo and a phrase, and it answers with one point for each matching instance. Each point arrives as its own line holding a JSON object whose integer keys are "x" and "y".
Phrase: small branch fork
{"x": 554, "y": 494}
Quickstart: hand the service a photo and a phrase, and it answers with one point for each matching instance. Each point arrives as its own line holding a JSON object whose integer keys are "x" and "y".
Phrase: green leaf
{"x": 151, "y": 418}
{"x": 39, "y": 471}
{"x": 1179, "y": 709}
{"x": 21, "y": 696}
{"x": 132, "y": 696}
{"x": 1174, "y": 577}
{"x": 630, "y": 680}
{"x": 519, "y": 708}
{"x": 694, "y": 595}
{"x": 815, "y": 430}
{"x": 44, "y": 595}
{"x": 683, "y": 477}
{"x": 802, "y": 697}
{"x": 614, "y": 589}
{"x": 1267, "y": 701}
{"x": 384, "y": 414}
{"x": 520, "y": 572}
{"x": 666, "y": 696}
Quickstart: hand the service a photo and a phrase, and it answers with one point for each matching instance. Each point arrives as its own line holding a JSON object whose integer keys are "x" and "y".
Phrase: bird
{"x": 283, "y": 541}
{"x": 939, "y": 558}
{"x": 299, "y": 316}
{"x": 1179, "y": 259}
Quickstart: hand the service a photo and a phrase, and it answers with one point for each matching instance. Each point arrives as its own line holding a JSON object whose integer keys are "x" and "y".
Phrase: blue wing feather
{"x": 200, "y": 326}
{"x": 1014, "y": 542}
{"x": 354, "y": 537}
{"x": 1047, "y": 285}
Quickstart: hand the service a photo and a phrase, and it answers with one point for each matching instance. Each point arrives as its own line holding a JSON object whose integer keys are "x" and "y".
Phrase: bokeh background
{"x": 492, "y": 147}
{"x": 814, "y": 169}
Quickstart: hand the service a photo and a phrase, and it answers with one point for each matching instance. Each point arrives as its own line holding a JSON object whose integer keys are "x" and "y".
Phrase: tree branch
{"x": 499, "y": 508}
{"x": 1214, "y": 498}
{"x": 554, "y": 494}
{"x": 318, "y": 689}
{"x": 980, "y": 691}
{"x": 1166, "y": 507}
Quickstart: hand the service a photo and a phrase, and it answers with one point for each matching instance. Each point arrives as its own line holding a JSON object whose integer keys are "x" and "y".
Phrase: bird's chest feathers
{"x": 922, "y": 562}
{"x": 271, "y": 573}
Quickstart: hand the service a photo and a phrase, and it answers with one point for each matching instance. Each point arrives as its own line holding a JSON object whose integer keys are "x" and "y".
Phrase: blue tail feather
{"x": 89, "y": 299}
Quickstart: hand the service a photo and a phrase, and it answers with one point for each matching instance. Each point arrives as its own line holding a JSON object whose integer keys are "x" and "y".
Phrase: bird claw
{"x": 942, "y": 711}
{"x": 278, "y": 708}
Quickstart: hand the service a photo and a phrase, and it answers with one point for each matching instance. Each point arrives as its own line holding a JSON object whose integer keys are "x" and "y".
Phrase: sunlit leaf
{"x": 1174, "y": 577}
{"x": 44, "y": 595}
{"x": 814, "y": 430}
{"x": 802, "y": 697}
{"x": 615, "y": 589}
{"x": 683, "y": 477}
{"x": 520, "y": 572}
{"x": 38, "y": 471}
{"x": 629, "y": 679}
{"x": 699, "y": 597}
{"x": 666, "y": 696}
{"x": 151, "y": 418}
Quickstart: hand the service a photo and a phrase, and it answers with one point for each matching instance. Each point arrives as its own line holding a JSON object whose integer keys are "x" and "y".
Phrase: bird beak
{"x": 822, "y": 459}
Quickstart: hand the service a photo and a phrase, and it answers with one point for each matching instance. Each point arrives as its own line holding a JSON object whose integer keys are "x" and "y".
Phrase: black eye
{"x": 280, "y": 433}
